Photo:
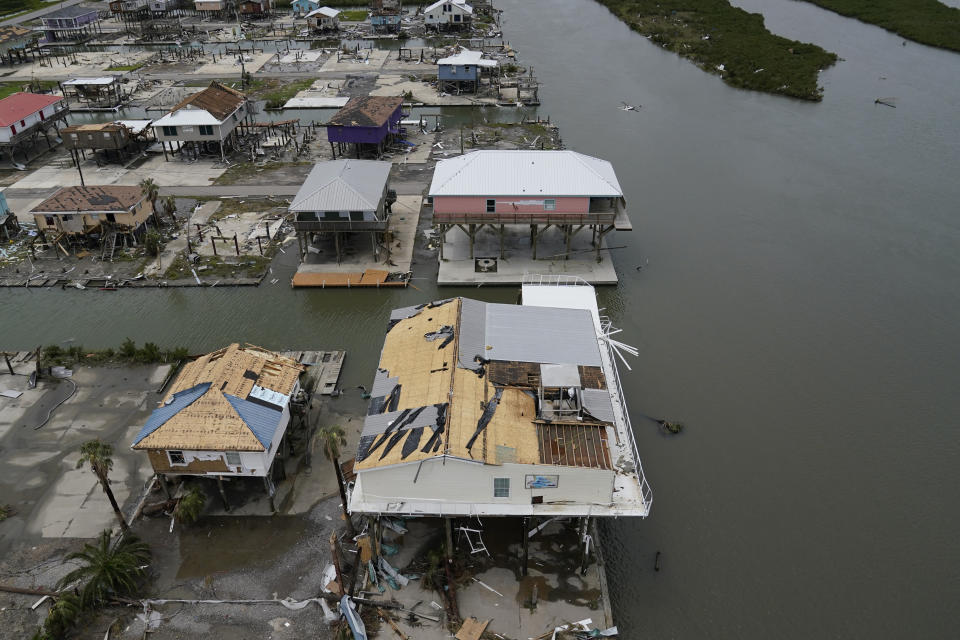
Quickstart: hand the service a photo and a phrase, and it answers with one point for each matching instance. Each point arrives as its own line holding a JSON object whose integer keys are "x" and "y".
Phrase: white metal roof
{"x": 459, "y": 3}
{"x": 324, "y": 11}
{"x": 531, "y": 173}
{"x": 88, "y": 81}
{"x": 468, "y": 57}
{"x": 342, "y": 185}
{"x": 186, "y": 117}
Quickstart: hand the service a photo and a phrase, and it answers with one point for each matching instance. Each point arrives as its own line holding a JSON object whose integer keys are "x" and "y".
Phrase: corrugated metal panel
{"x": 269, "y": 395}
{"x": 473, "y": 321}
{"x": 262, "y": 421}
{"x": 559, "y": 375}
{"x": 178, "y": 403}
{"x": 343, "y": 185}
{"x": 598, "y": 404}
{"x": 540, "y": 334}
{"x": 517, "y": 173}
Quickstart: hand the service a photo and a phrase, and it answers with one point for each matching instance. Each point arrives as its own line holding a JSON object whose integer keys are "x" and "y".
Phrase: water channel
{"x": 793, "y": 285}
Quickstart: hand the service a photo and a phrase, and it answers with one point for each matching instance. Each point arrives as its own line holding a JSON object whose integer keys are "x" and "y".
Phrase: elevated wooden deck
{"x": 376, "y": 278}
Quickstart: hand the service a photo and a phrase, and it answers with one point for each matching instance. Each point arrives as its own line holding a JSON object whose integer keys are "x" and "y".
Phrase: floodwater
{"x": 797, "y": 308}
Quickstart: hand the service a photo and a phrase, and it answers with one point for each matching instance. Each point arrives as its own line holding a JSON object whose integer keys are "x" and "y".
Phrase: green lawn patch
{"x": 730, "y": 42}
{"x": 126, "y": 67}
{"x": 9, "y": 88}
{"x": 924, "y": 21}
{"x": 276, "y": 92}
{"x": 353, "y": 16}
{"x": 13, "y": 8}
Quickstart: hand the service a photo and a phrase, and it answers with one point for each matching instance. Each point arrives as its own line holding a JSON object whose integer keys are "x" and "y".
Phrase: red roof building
{"x": 18, "y": 106}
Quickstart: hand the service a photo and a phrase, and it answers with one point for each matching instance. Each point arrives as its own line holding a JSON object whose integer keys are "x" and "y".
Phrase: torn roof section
{"x": 435, "y": 392}
{"x": 230, "y": 400}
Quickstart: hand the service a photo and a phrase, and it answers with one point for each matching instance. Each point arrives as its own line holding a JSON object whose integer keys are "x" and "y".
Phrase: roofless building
{"x": 482, "y": 409}
{"x": 225, "y": 415}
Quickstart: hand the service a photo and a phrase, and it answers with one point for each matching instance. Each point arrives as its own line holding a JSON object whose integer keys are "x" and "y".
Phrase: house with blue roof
{"x": 226, "y": 414}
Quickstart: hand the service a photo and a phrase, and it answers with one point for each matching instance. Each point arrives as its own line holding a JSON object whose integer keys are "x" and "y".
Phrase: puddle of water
{"x": 239, "y": 542}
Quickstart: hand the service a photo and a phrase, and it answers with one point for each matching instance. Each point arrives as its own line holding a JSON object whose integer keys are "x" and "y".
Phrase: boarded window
{"x": 501, "y": 487}
{"x": 233, "y": 458}
{"x": 549, "y": 205}
{"x": 176, "y": 457}
{"x": 491, "y": 206}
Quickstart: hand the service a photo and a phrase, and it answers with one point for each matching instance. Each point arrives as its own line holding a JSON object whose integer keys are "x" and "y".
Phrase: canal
{"x": 792, "y": 285}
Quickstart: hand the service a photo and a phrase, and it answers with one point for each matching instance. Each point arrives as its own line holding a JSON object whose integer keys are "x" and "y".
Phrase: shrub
{"x": 128, "y": 349}
{"x": 153, "y": 242}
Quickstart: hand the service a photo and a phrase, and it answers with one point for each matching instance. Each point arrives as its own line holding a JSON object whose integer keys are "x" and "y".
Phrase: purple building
{"x": 369, "y": 123}
{"x": 70, "y": 24}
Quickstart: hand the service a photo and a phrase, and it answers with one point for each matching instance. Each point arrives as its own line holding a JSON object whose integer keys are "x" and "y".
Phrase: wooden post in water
{"x": 526, "y": 546}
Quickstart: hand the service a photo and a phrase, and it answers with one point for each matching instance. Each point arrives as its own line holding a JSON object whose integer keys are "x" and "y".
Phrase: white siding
{"x": 6, "y": 134}
{"x": 459, "y": 481}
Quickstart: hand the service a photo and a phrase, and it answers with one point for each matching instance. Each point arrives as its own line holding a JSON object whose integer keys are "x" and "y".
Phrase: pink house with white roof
{"x": 494, "y": 188}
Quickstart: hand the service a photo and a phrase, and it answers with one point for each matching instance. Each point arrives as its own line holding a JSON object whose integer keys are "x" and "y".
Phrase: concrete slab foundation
{"x": 457, "y": 268}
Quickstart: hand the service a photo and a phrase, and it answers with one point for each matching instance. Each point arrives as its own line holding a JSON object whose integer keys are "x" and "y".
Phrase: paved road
{"x": 232, "y": 190}
{"x": 39, "y": 12}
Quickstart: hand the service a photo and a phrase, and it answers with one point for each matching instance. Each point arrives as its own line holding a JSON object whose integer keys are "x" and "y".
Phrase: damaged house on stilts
{"x": 225, "y": 416}
{"x": 206, "y": 122}
{"x": 485, "y": 410}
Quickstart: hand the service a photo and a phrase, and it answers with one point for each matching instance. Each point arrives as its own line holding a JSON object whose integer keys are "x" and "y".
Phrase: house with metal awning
{"x": 226, "y": 414}
{"x": 486, "y": 409}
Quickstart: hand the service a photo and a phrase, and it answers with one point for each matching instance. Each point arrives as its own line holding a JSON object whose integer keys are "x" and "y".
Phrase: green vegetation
{"x": 353, "y": 16}
{"x": 9, "y": 88}
{"x": 276, "y": 92}
{"x": 129, "y": 353}
{"x": 110, "y": 568}
{"x": 190, "y": 506}
{"x": 726, "y": 40}
{"x": 925, "y": 21}
{"x": 126, "y": 67}
{"x": 6, "y": 511}
{"x": 98, "y": 454}
{"x": 285, "y": 4}
{"x": 13, "y": 8}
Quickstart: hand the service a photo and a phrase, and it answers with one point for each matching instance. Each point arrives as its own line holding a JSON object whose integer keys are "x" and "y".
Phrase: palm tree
{"x": 111, "y": 567}
{"x": 150, "y": 189}
{"x": 170, "y": 207}
{"x": 97, "y": 455}
{"x": 190, "y": 505}
{"x": 63, "y": 617}
{"x": 333, "y": 437}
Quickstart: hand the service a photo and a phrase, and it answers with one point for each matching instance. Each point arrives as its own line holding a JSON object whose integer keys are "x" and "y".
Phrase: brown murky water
{"x": 796, "y": 306}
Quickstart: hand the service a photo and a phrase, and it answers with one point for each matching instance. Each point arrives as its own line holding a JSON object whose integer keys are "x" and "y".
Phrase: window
{"x": 23, "y": 123}
{"x": 206, "y": 130}
{"x": 106, "y": 134}
{"x": 491, "y": 206}
{"x": 456, "y": 17}
{"x": 233, "y": 458}
{"x": 356, "y": 216}
{"x": 111, "y": 217}
{"x": 13, "y": 129}
{"x": 169, "y": 131}
{"x": 49, "y": 220}
{"x": 176, "y": 457}
{"x": 549, "y": 205}
{"x": 501, "y": 487}
{"x": 73, "y": 136}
